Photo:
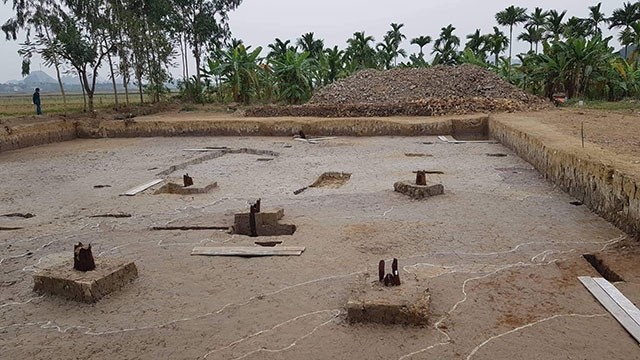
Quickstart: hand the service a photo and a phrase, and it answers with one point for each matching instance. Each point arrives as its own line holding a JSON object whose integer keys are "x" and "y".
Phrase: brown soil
{"x": 500, "y": 251}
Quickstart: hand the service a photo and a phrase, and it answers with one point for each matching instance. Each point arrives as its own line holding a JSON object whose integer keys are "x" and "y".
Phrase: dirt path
{"x": 500, "y": 252}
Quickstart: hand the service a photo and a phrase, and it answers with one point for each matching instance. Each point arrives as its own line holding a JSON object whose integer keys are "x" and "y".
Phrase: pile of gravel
{"x": 408, "y": 85}
{"x": 439, "y": 90}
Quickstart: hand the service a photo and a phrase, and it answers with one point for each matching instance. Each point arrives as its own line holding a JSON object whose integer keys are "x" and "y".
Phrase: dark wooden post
{"x": 257, "y": 206}
{"x": 421, "y": 178}
{"x": 395, "y": 273}
{"x": 381, "y": 271}
{"x": 83, "y": 258}
{"x": 188, "y": 180}
{"x": 252, "y": 221}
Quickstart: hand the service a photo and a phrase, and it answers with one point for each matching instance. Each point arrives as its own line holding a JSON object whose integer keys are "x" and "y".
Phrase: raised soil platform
{"x": 418, "y": 191}
{"x": 89, "y": 287}
{"x": 372, "y": 302}
{"x": 177, "y": 189}
{"x": 266, "y": 224}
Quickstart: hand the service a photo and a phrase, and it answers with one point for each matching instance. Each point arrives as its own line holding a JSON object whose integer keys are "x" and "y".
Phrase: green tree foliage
{"x": 293, "y": 76}
{"x": 359, "y": 51}
{"x": 446, "y": 47}
{"x": 237, "y": 68}
{"x": 511, "y": 16}
{"x": 421, "y": 41}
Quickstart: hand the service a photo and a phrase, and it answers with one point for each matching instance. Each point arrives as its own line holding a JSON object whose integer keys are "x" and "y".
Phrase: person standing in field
{"x": 36, "y": 101}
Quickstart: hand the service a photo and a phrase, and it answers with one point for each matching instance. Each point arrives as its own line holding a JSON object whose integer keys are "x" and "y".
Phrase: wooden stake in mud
{"x": 395, "y": 273}
{"x": 83, "y": 258}
{"x": 188, "y": 180}
{"x": 582, "y": 133}
{"x": 257, "y": 205}
{"x": 381, "y": 271}
{"x": 421, "y": 178}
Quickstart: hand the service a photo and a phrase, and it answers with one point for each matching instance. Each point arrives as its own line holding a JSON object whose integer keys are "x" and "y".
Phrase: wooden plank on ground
{"x": 141, "y": 188}
{"x": 612, "y": 306}
{"x": 450, "y": 139}
{"x": 248, "y": 251}
{"x": 620, "y": 299}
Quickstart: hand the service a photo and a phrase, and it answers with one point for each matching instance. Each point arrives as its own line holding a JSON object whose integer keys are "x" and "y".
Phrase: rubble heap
{"x": 439, "y": 90}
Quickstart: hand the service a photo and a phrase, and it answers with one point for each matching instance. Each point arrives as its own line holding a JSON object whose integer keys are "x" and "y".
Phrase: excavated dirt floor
{"x": 500, "y": 252}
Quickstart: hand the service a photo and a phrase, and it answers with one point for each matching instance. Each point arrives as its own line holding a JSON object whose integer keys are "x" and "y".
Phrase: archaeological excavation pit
{"x": 331, "y": 180}
{"x": 502, "y": 249}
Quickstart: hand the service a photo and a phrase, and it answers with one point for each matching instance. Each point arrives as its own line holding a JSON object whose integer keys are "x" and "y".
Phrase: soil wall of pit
{"x": 22, "y": 136}
{"x": 601, "y": 184}
{"x": 18, "y": 137}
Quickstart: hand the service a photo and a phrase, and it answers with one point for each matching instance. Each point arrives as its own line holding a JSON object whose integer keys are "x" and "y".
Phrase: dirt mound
{"x": 408, "y": 85}
{"x": 440, "y": 90}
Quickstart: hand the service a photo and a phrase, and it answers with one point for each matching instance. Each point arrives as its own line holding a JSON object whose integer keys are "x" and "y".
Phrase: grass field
{"x": 18, "y": 105}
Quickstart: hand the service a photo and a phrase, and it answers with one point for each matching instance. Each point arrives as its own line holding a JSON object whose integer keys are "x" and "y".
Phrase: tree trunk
{"x": 84, "y": 93}
{"x": 113, "y": 79}
{"x": 57, "y": 66}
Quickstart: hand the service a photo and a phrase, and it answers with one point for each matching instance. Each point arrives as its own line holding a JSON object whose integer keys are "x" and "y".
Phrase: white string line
{"x": 63, "y": 329}
{"x": 477, "y": 348}
{"x": 335, "y": 313}
{"x": 21, "y": 303}
{"x": 447, "y": 340}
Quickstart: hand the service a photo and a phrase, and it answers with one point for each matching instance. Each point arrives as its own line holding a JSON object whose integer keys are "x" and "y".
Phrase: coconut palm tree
{"x": 279, "y": 47}
{"x": 496, "y": 42}
{"x": 476, "y": 43}
{"x": 624, "y": 18}
{"x": 446, "y": 47}
{"x": 596, "y": 17}
{"x": 554, "y": 27}
{"x": 334, "y": 61}
{"x": 421, "y": 41}
{"x": 388, "y": 51}
{"x": 396, "y": 37}
{"x": 576, "y": 28}
{"x": 313, "y": 46}
{"x": 531, "y": 35}
{"x": 537, "y": 20}
{"x": 511, "y": 16}
{"x": 360, "y": 52}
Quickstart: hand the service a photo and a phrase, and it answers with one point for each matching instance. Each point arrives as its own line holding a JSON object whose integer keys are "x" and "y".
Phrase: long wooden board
{"x": 141, "y": 188}
{"x": 451, "y": 140}
{"x": 612, "y": 306}
{"x": 248, "y": 251}
{"x": 620, "y": 299}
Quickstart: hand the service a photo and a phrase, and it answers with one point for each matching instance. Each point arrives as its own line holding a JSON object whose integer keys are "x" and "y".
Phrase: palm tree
{"x": 555, "y": 26}
{"x": 537, "y": 20}
{"x": 279, "y": 47}
{"x": 477, "y": 44}
{"x": 396, "y": 37}
{"x": 531, "y": 35}
{"x": 446, "y": 47}
{"x": 496, "y": 43}
{"x": 421, "y": 41}
{"x": 576, "y": 28}
{"x": 313, "y": 46}
{"x": 334, "y": 60}
{"x": 362, "y": 55}
{"x": 625, "y": 17}
{"x": 511, "y": 16}
{"x": 388, "y": 51}
{"x": 596, "y": 17}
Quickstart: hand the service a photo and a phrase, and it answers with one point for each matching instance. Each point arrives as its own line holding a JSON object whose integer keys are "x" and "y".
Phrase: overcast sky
{"x": 259, "y": 22}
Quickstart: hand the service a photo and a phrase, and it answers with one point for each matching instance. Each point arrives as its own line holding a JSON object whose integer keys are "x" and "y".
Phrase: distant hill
{"x": 38, "y": 78}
